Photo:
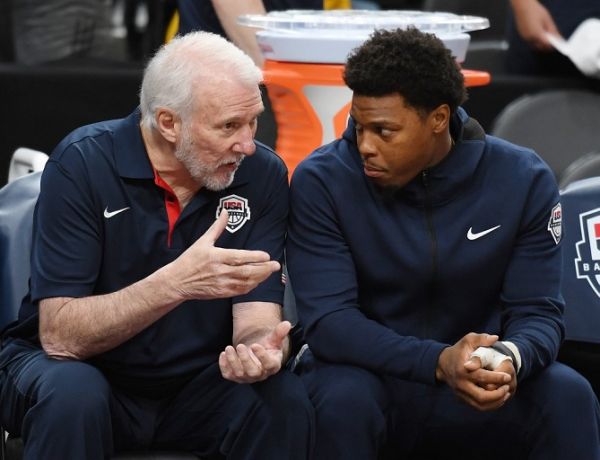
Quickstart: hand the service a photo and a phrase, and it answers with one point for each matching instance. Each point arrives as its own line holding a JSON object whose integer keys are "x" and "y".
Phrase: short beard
{"x": 200, "y": 171}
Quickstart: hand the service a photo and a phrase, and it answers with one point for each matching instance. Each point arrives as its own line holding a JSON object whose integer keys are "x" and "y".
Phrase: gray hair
{"x": 186, "y": 63}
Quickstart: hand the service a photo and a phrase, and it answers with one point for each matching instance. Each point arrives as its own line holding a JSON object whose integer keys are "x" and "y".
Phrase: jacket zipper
{"x": 434, "y": 254}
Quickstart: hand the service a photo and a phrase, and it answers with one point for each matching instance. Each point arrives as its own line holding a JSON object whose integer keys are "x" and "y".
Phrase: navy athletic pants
{"x": 359, "y": 415}
{"x": 68, "y": 410}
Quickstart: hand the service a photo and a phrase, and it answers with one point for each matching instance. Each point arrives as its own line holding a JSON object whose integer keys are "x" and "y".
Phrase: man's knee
{"x": 276, "y": 418}
{"x": 73, "y": 387}
{"x": 560, "y": 411}
{"x": 350, "y": 407}
{"x": 34, "y": 386}
{"x": 58, "y": 395}
{"x": 562, "y": 395}
{"x": 285, "y": 396}
{"x": 347, "y": 395}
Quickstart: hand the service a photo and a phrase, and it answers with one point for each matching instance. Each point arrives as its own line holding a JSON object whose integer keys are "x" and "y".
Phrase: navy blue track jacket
{"x": 386, "y": 279}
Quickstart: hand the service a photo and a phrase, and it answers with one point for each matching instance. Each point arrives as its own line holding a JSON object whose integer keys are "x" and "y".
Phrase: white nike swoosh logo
{"x": 474, "y": 236}
{"x": 108, "y": 214}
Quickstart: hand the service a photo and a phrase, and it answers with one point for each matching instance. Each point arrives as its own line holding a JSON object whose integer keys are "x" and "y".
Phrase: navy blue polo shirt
{"x": 104, "y": 220}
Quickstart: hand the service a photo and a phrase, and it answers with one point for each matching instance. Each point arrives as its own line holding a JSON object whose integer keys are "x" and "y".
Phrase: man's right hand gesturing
{"x": 205, "y": 271}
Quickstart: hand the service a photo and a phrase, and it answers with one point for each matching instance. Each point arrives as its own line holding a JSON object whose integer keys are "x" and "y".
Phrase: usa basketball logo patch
{"x": 237, "y": 209}
{"x": 555, "y": 223}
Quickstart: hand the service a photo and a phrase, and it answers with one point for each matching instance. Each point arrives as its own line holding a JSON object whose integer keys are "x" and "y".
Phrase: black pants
{"x": 360, "y": 415}
{"x": 68, "y": 410}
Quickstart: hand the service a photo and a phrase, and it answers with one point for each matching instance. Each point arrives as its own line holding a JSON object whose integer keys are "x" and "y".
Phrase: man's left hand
{"x": 249, "y": 363}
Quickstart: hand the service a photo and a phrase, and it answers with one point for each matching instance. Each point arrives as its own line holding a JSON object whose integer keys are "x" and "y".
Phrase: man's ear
{"x": 439, "y": 118}
{"x": 168, "y": 124}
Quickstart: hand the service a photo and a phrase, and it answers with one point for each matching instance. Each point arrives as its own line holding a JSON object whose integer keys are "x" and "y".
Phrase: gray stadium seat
{"x": 582, "y": 168}
{"x": 560, "y": 125}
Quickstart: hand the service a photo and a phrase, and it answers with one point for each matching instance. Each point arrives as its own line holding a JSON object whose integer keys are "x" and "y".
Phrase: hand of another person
{"x": 204, "y": 271}
{"x": 480, "y": 388}
{"x": 249, "y": 363}
{"x": 533, "y": 21}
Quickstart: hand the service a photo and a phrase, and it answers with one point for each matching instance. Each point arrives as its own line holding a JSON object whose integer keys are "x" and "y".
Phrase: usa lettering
{"x": 232, "y": 205}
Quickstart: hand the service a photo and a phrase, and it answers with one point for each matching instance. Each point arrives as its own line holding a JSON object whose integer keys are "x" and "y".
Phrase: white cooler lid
{"x": 327, "y": 36}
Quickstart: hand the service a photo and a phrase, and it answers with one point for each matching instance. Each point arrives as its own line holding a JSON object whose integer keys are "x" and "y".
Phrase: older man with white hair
{"x": 154, "y": 314}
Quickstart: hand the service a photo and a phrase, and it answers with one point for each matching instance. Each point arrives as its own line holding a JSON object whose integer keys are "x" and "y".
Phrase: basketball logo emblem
{"x": 555, "y": 223}
{"x": 238, "y": 210}
{"x": 587, "y": 263}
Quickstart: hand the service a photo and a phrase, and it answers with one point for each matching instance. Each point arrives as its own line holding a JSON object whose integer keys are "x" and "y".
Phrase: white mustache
{"x": 236, "y": 161}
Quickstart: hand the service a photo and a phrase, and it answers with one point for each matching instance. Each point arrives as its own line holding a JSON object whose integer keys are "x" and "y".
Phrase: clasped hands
{"x": 481, "y": 388}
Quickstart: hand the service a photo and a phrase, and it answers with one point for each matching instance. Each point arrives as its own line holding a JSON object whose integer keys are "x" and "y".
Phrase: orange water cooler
{"x": 304, "y": 55}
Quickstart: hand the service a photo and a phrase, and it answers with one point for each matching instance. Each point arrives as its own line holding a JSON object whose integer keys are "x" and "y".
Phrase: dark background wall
{"x": 40, "y": 105}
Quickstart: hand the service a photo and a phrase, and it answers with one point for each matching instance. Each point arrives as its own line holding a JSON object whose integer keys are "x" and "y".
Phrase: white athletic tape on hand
{"x": 490, "y": 358}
